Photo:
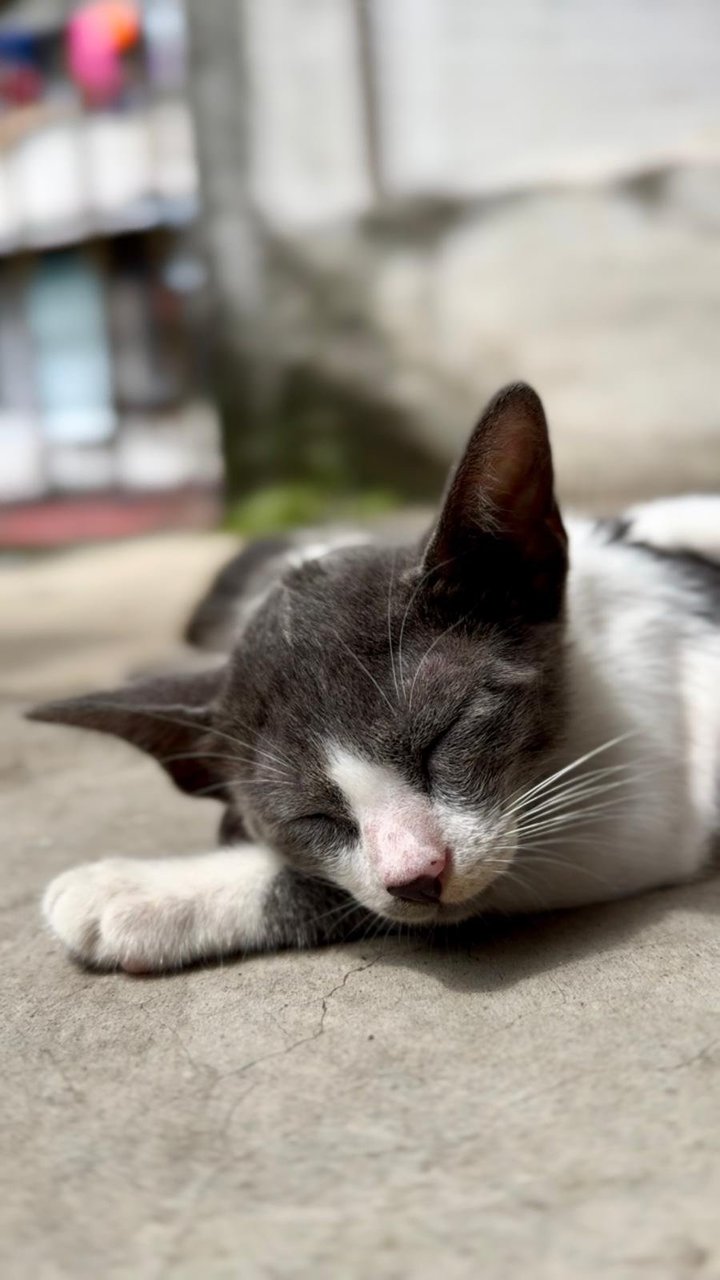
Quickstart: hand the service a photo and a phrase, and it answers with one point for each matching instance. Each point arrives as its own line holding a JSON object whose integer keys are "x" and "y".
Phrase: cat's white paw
{"x": 119, "y": 914}
{"x": 148, "y": 916}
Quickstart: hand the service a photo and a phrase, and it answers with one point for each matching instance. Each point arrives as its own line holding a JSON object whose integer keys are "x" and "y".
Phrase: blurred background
{"x": 261, "y": 262}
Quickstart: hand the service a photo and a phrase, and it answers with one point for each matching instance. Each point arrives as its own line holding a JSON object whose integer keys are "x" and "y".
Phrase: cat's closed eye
{"x": 488, "y": 716}
{"x": 431, "y": 748}
{"x": 319, "y": 824}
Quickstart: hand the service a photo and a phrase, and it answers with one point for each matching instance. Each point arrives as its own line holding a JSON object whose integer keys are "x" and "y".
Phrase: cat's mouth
{"x": 436, "y": 913}
{"x": 462, "y": 896}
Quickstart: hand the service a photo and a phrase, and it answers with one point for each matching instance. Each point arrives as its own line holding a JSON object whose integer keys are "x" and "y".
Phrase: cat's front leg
{"x": 145, "y": 917}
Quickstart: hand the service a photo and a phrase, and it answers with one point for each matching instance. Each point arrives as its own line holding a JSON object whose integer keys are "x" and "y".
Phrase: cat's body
{"x": 643, "y": 666}
{"x": 428, "y": 735}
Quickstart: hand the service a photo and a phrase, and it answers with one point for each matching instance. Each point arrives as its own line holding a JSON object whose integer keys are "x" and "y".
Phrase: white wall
{"x": 308, "y": 148}
{"x": 475, "y": 95}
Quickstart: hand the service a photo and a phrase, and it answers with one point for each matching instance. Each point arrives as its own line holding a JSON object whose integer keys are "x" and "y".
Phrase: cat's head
{"x": 383, "y": 707}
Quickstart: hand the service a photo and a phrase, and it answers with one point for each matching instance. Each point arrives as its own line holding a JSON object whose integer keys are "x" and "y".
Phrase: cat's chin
{"x": 438, "y": 914}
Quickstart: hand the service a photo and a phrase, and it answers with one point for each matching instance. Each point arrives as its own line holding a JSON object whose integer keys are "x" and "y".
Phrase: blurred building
{"x": 102, "y": 422}
{"x": 437, "y": 196}
{"x": 404, "y": 203}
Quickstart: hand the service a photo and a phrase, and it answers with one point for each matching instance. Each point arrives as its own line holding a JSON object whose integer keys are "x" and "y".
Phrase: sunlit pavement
{"x": 539, "y": 1103}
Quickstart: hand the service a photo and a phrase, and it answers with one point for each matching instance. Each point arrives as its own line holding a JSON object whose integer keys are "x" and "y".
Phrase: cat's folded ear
{"x": 169, "y": 717}
{"x": 499, "y": 545}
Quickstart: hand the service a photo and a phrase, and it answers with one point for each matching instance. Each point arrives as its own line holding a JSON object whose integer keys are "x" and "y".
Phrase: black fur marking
{"x": 246, "y": 576}
{"x": 232, "y": 829}
{"x": 697, "y": 572}
{"x": 614, "y": 528}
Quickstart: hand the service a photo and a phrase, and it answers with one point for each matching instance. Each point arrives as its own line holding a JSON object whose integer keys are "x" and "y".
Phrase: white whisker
{"x": 514, "y": 876}
{"x": 363, "y": 668}
{"x": 574, "y": 764}
{"x": 576, "y": 817}
{"x": 427, "y": 653}
{"x": 569, "y": 864}
{"x": 580, "y": 791}
{"x": 192, "y": 724}
{"x": 590, "y": 777}
{"x": 420, "y": 583}
{"x": 391, "y": 585}
{"x": 217, "y": 755}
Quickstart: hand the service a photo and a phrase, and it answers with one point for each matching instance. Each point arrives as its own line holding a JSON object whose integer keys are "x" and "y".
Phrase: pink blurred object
{"x": 97, "y": 35}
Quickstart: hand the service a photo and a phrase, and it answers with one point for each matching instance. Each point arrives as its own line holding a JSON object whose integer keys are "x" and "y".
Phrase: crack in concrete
{"x": 197, "y": 1068}
{"x": 702, "y": 1055}
{"x": 314, "y": 1035}
{"x": 201, "y": 1187}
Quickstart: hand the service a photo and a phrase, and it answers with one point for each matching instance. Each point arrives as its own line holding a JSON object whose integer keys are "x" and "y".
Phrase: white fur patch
{"x": 690, "y": 523}
{"x": 363, "y": 783}
{"x": 404, "y": 834}
{"x": 482, "y": 849}
{"x": 400, "y": 837}
{"x": 303, "y": 554}
{"x": 149, "y": 916}
{"x": 700, "y": 676}
{"x": 643, "y": 673}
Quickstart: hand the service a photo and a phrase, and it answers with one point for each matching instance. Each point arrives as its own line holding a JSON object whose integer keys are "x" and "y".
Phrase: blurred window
{"x": 73, "y": 371}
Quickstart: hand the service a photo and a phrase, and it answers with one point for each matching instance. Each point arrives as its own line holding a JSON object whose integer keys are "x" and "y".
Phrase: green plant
{"x": 292, "y": 503}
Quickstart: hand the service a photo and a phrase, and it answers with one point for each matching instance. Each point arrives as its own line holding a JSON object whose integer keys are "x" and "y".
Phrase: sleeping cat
{"x": 504, "y": 717}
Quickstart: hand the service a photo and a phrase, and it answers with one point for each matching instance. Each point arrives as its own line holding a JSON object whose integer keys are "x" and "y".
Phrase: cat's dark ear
{"x": 169, "y": 717}
{"x": 499, "y": 544}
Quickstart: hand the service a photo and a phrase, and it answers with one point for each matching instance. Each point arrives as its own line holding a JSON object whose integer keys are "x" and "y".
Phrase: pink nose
{"x": 419, "y": 879}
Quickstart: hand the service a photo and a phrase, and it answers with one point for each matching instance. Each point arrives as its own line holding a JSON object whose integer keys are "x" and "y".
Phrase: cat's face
{"x": 388, "y": 733}
{"x": 383, "y": 708}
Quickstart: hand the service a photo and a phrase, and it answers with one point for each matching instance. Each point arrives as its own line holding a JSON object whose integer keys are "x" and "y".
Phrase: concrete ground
{"x": 542, "y": 1104}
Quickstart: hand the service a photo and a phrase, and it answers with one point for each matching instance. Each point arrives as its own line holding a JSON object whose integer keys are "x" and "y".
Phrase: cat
{"x": 507, "y": 715}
